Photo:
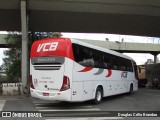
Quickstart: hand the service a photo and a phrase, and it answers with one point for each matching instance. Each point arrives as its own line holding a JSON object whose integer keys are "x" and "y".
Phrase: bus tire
{"x": 130, "y": 89}
{"x": 98, "y": 95}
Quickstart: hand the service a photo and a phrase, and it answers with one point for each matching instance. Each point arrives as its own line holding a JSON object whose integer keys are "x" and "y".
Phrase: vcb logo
{"x": 124, "y": 74}
{"x": 52, "y": 46}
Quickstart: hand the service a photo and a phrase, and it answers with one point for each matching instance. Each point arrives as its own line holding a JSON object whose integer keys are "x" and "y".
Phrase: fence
{"x": 10, "y": 88}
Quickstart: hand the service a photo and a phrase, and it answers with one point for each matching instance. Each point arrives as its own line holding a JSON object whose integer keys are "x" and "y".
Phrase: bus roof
{"x": 77, "y": 41}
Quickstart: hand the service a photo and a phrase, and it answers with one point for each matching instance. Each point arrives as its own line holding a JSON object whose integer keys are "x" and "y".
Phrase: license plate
{"x": 45, "y": 94}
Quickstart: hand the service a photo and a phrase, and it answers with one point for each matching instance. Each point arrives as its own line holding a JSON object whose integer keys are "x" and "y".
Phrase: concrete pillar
{"x": 24, "y": 28}
{"x": 155, "y": 58}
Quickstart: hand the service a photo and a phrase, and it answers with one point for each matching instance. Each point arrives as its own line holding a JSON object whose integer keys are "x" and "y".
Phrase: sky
{"x": 111, "y": 37}
{"x": 2, "y": 55}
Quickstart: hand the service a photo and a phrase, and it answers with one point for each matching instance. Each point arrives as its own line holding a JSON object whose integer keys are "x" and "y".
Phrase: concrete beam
{"x": 130, "y": 17}
{"x": 65, "y": 21}
{"x": 143, "y": 7}
{"x": 3, "y": 43}
{"x": 126, "y": 46}
{"x": 2, "y": 38}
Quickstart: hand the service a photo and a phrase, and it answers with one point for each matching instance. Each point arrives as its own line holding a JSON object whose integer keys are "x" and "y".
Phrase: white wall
{"x": 10, "y": 88}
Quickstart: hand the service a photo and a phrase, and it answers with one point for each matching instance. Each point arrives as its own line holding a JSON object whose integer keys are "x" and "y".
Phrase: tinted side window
{"x": 107, "y": 61}
{"x": 83, "y": 55}
{"x": 98, "y": 58}
{"x": 93, "y": 58}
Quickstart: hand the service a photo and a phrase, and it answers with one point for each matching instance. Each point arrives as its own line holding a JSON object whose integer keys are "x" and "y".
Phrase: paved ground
{"x": 2, "y": 102}
{"x": 142, "y": 100}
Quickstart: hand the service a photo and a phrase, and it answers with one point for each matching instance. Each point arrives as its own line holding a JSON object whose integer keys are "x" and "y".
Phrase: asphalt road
{"x": 142, "y": 101}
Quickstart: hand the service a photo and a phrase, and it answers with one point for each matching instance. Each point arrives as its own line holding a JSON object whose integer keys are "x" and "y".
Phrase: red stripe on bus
{"x": 46, "y": 47}
{"x": 86, "y": 69}
{"x": 109, "y": 73}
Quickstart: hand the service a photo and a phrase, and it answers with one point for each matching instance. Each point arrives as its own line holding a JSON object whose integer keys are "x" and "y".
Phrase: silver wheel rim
{"x": 99, "y": 96}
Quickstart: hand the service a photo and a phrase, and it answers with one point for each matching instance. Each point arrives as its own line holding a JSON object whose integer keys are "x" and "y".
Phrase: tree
{"x": 12, "y": 61}
{"x": 40, "y": 35}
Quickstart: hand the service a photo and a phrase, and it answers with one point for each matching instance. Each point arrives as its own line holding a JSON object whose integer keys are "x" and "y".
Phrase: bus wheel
{"x": 131, "y": 89}
{"x": 98, "y": 96}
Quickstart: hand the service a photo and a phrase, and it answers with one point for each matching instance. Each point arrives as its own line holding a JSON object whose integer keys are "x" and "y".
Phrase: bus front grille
{"x": 47, "y": 67}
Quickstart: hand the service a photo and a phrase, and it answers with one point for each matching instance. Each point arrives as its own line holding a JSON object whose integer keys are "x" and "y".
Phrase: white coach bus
{"x": 66, "y": 69}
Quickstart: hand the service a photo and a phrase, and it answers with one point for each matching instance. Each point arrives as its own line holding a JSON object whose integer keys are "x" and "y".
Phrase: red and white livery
{"x": 70, "y": 70}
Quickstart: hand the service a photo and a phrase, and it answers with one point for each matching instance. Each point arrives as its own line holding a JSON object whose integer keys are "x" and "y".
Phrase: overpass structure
{"x": 132, "y": 17}
{"x": 127, "y": 47}
{"x": 123, "y": 47}
{"x": 3, "y": 43}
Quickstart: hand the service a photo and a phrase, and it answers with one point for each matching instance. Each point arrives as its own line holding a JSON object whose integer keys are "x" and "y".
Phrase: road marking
{"x": 46, "y": 107}
{"x": 90, "y": 118}
{"x": 94, "y": 109}
{"x": 41, "y": 107}
{"x": 43, "y": 102}
{"x": 152, "y": 94}
{"x": 2, "y": 102}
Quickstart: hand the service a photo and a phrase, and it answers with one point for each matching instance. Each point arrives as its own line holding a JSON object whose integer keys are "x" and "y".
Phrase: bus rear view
{"x": 66, "y": 69}
{"x": 49, "y": 78}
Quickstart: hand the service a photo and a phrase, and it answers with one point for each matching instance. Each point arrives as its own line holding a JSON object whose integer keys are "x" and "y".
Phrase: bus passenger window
{"x": 87, "y": 62}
